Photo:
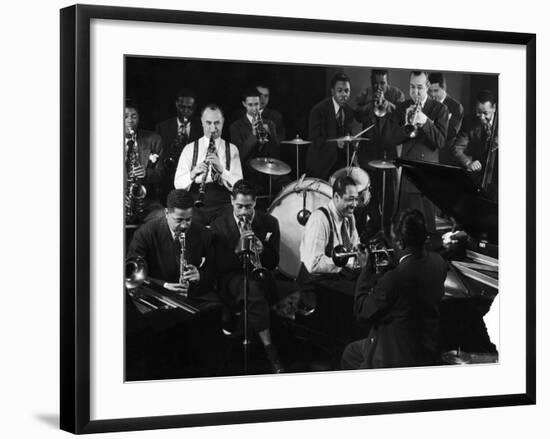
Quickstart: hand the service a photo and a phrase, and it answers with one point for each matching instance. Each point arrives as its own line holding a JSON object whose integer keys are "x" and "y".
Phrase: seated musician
{"x": 143, "y": 149}
{"x": 158, "y": 243}
{"x": 256, "y": 136}
{"x": 229, "y": 231}
{"x": 209, "y": 167}
{"x": 402, "y": 305}
{"x": 476, "y": 147}
{"x": 328, "y": 227}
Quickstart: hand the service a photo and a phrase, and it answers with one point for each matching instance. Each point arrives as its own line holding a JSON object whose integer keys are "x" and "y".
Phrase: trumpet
{"x": 135, "y": 190}
{"x": 183, "y": 260}
{"x": 380, "y": 108}
{"x": 248, "y": 245}
{"x": 341, "y": 255}
{"x": 411, "y": 116}
{"x": 261, "y": 132}
{"x": 202, "y": 188}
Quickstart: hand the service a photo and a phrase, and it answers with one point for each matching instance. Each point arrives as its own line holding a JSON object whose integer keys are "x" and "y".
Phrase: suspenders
{"x": 227, "y": 154}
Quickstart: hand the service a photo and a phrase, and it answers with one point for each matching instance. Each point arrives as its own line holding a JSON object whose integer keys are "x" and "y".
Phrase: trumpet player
{"x": 243, "y": 223}
{"x": 143, "y": 149}
{"x": 255, "y": 136}
{"x": 158, "y": 243}
{"x": 420, "y": 125}
{"x": 209, "y": 166}
{"x": 328, "y": 227}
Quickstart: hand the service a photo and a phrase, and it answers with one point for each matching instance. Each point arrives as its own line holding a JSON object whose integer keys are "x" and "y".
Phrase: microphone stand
{"x": 245, "y": 259}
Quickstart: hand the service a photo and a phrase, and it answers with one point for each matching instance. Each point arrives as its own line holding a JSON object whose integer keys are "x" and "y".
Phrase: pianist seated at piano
{"x": 401, "y": 307}
{"x": 158, "y": 243}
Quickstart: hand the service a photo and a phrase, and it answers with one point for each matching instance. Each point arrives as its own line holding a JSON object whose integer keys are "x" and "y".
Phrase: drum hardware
{"x": 297, "y": 142}
{"x": 383, "y": 165}
{"x": 355, "y": 140}
{"x": 291, "y": 199}
{"x": 270, "y": 166}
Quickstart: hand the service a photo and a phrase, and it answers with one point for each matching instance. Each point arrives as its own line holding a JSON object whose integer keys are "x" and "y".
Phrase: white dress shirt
{"x": 316, "y": 237}
{"x": 182, "y": 179}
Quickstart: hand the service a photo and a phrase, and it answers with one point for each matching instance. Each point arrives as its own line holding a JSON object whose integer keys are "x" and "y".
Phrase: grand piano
{"x": 472, "y": 281}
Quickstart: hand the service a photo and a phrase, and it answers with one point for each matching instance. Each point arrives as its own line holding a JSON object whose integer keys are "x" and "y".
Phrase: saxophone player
{"x": 158, "y": 243}
{"x": 142, "y": 151}
{"x": 241, "y": 223}
{"x": 219, "y": 163}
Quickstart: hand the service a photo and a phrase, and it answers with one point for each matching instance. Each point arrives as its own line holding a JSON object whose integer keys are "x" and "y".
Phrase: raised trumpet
{"x": 380, "y": 108}
{"x": 411, "y": 117}
{"x": 261, "y": 133}
{"x": 247, "y": 245}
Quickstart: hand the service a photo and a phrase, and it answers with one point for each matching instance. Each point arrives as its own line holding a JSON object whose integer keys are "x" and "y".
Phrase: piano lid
{"x": 451, "y": 189}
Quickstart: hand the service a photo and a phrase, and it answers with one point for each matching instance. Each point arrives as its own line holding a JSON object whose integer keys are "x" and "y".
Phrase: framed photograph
{"x": 140, "y": 350}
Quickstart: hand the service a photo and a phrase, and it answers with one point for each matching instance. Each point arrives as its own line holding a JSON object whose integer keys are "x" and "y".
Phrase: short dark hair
{"x": 376, "y": 72}
{"x": 418, "y": 73}
{"x": 244, "y": 188}
{"x": 179, "y": 199}
{"x": 410, "y": 228}
{"x": 486, "y": 96}
{"x": 337, "y": 78}
{"x": 186, "y": 93}
{"x": 341, "y": 183}
{"x": 250, "y": 92}
{"x": 212, "y": 107}
{"x": 131, "y": 103}
{"x": 263, "y": 85}
{"x": 437, "y": 78}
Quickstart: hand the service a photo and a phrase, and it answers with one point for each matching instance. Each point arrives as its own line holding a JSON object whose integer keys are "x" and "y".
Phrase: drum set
{"x": 297, "y": 200}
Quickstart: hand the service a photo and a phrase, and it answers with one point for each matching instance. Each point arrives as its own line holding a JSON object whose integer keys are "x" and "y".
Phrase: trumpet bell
{"x": 135, "y": 273}
{"x": 138, "y": 191}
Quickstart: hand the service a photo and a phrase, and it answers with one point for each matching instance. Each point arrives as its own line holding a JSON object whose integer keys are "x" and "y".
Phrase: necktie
{"x": 346, "y": 241}
{"x": 340, "y": 121}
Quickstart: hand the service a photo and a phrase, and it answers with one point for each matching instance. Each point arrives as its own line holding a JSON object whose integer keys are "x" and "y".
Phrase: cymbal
{"x": 297, "y": 141}
{"x": 382, "y": 164}
{"x": 358, "y": 175}
{"x": 270, "y": 166}
{"x": 347, "y": 139}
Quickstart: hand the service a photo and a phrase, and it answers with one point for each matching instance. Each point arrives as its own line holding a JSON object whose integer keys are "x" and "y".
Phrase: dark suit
{"x": 229, "y": 267}
{"x": 456, "y": 115}
{"x": 425, "y": 146}
{"x": 153, "y": 241}
{"x": 403, "y": 311}
{"x": 471, "y": 145}
{"x": 173, "y": 145}
{"x": 323, "y": 158}
{"x": 250, "y": 148}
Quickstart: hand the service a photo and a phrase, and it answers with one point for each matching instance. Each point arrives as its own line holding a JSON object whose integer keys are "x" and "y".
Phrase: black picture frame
{"x": 75, "y": 217}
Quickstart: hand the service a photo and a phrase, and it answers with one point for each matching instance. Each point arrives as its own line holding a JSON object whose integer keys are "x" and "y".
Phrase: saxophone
{"x": 202, "y": 188}
{"x": 183, "y": 260}
{"x": 135, "y": 190}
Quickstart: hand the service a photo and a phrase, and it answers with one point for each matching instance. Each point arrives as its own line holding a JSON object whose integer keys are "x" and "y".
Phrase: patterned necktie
{"x": 340, "y": 121}
{"x": 182, "y": 133}
{"x": 346, "y": 241}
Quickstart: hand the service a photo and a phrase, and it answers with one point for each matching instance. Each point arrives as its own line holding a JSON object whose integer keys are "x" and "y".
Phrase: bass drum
{"x": 285, "y": 208}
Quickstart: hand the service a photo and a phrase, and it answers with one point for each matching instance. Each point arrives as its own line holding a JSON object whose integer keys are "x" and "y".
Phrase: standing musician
{"x": 438, "y": 91}
{"x": 401, "y": 306}
{"x": 330, "y": 226}
{"x": 229, "y": 232}
{"x": 271, "y": 113}
{"x": 143, "y": 149}
{"x": 476, "y": 147}
{"x": 210, "y": 166}
{"x": 420, "y": 125}
{"x": 158, "y": 243}
{"x": 177, "y": 132}
{"x": 330, "y": 118}
{"x": 255, "y": 136}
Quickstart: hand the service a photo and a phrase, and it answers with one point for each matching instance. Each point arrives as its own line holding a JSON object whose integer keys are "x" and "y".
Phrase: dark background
{"x": 294, "y": 88}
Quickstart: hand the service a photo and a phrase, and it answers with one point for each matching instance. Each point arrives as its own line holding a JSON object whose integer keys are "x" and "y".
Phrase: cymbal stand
{"x": 245, "y": 255}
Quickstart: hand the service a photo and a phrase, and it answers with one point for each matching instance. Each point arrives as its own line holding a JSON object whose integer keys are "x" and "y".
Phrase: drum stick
{"x": 364, "y": 131}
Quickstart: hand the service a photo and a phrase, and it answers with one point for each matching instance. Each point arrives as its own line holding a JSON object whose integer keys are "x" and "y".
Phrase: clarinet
{"x": 183, "y": 260}
{"x": 202, "y": 188}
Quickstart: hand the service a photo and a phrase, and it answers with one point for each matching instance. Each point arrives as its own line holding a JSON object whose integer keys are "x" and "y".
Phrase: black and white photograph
{"x": 286, "y": 218}
{"x": 293, "y": 217}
